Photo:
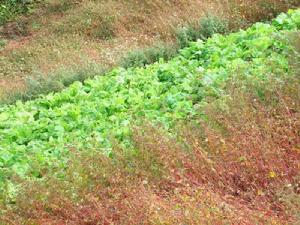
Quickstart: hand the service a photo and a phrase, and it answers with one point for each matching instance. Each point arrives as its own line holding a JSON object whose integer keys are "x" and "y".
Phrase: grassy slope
{"x": 65, "y": 38}
{"x": 243, "y": 159}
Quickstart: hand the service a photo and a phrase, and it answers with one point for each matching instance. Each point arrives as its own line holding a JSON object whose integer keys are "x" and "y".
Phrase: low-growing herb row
{"x": 37, "y": 137}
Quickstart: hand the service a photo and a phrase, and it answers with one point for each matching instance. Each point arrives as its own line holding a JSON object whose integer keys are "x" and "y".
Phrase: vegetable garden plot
{"x": 36, "y": 137}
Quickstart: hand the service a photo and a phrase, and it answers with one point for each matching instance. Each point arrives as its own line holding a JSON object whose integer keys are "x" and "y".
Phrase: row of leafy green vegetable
{"x": 37, "y": 136}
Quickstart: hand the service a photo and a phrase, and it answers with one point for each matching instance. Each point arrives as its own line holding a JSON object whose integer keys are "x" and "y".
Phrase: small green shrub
{"x": 142, "y": 57}
{"x": 134, "y": 58}
{"x": 186, "y": 34}
{"x": 203, "y": 29}
{"x": 104, "y": 29}
{"x": 11, "y": 8}
{"x": 2, "y": 43}
{"x": 211, "y": 25}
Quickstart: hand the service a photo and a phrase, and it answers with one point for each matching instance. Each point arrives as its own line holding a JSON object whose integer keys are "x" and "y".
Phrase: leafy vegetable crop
{"x": 38, "y": 136}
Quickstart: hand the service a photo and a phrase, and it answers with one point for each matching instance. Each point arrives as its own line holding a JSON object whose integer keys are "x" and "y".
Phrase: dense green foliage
{"x": 11, "y": 8}
{"x": 37, "y": 136}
